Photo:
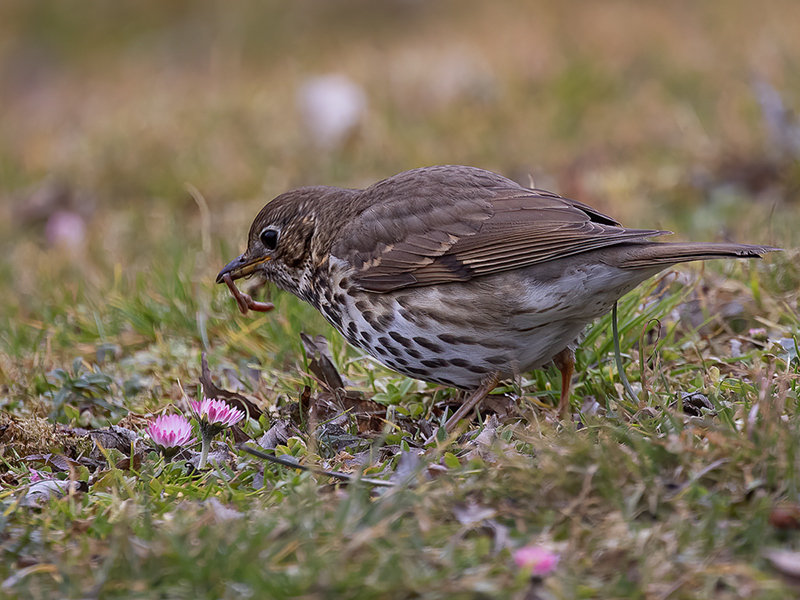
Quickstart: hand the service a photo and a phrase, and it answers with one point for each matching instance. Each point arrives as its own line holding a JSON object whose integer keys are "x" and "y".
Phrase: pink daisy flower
{"x": 169, "y": 433}
{"x": 214, "y": 416}
{"x": 537, "y": 560}
{"x": 216, "y": 412}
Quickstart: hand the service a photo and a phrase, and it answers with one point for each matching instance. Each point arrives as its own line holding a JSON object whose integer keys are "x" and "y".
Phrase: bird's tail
{"x": 653, "y": 254}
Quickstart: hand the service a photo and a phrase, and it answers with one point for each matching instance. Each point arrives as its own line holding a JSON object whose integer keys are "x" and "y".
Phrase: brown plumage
{"x": 455, "y": 274}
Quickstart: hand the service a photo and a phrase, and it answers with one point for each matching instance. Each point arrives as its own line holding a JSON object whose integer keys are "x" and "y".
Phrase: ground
{"x": 138, "y": 142}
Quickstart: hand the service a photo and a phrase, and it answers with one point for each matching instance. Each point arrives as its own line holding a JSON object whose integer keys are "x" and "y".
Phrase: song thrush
{"x": 453, "y": 274}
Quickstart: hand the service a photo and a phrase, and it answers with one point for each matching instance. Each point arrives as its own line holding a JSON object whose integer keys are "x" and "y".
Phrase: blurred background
{"x": 139, "y": 139}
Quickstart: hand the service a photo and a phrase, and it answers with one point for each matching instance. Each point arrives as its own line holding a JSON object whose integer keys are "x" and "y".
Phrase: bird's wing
{"x": 439, "y": 235}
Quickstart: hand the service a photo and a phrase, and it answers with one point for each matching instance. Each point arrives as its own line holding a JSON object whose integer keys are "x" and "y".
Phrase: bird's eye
{"x": 269, "y": 237}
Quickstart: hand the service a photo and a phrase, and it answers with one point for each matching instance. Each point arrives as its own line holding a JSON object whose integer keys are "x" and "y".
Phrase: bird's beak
{"x": 241, "y": 266}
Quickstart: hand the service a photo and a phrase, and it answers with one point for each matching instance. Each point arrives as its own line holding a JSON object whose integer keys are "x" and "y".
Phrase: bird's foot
{"x": 469, "y": 404}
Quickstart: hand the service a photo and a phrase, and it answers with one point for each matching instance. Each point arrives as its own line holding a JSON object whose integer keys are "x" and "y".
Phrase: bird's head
{"x": 285, "y": 240}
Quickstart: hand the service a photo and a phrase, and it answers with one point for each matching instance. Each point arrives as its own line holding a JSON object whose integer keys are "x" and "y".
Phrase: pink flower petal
{"x": 170, "y": 431}
{"x": 217, "y": 412}
{"x": 539, "y": 560}
{"x": 36, "y": 475}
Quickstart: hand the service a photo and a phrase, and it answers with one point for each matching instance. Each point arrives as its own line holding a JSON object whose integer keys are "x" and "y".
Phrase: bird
{"x": 456, "y": 275}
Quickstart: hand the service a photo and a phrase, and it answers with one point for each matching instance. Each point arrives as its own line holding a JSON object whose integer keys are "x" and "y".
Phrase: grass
{"x": 167, "y": 131}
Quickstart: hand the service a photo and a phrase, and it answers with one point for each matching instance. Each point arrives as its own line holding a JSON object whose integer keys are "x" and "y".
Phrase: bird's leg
{"x": 487, "y": 385}
{"x": 244, "y": 301}
{"x": 565, "y": 362}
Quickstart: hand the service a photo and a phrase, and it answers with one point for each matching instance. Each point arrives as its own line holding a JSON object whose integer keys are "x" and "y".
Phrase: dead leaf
{"x": 277, "y": 434}
{"x": 482, "y": 446}
{"x": 9, "y": 480}
{"x": 474, "y": 516}
{"x": 221, "y": 512}
{"x": 258, "y": 478}
{"x": 335, "y": 436}
{"x": 409, "y": 466}
{"x": 472, "y": 513}
{"x": 320, "y": 362}
{"x": 73, "y": 431}
{"x": 239, "y": 436}
{"x": 785, "y": 516}
{"x": 591, "y": 407}
{"x": 58, "y": 462}
{"x": 40, "y": 492}
{"x": 502, "y": 405}
{"x": 489, "y": 433}
{"x": 134, "y": 421}
{"x": 304, "y": 401}
{"x": 210, "y": 390}
{"x": 695, "y": 404}
{"x": 116, "y": 438}
{"x": 26, "y": 561}
{"x": 786, "y": 562}
{"x": 125, "y": 463}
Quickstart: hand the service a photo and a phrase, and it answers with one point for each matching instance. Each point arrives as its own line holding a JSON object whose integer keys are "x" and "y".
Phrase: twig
{"x": 316, "y": 470}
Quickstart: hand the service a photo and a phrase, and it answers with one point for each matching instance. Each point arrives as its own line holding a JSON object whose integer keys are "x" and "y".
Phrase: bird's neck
{"x": 307, "y": 282}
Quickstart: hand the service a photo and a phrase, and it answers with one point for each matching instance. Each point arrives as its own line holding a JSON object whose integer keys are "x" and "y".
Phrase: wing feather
{"x": 459, "y": 225}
